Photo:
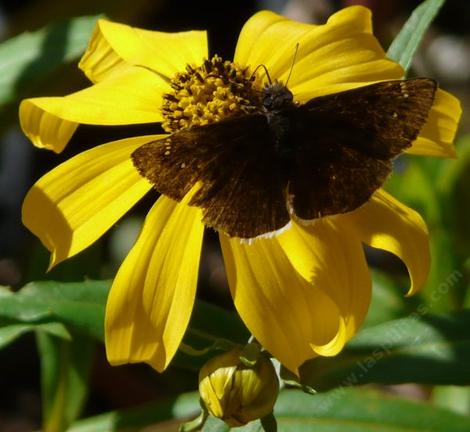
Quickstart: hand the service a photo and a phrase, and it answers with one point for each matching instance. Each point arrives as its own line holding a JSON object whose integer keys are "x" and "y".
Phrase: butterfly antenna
{"x": 293, "y": 61}
{"x": 265, "y": 70}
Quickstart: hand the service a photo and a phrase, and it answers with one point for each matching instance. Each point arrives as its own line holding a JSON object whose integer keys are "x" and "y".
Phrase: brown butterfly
{"x": 321, "y": 158}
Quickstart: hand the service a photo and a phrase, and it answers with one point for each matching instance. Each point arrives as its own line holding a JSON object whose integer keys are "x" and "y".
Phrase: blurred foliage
{"x": 345, "y": 410}
{"x": 39, "y": 12}
{"x": 422, "y": 348}
{"x": 422, "y": 340}
{"x": 65, "y": 368}
{"x": 41, "y": 53}
{"x": 407, "y": 42}
{"x": 412, "y": 349}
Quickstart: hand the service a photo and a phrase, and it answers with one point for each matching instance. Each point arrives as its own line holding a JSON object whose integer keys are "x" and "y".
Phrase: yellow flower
{"x": 302, "y": 293}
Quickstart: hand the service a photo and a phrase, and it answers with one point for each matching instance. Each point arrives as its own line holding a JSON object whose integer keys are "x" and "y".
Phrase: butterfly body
{"x": 324, "y": 157}
{"x": 279, "y": 108}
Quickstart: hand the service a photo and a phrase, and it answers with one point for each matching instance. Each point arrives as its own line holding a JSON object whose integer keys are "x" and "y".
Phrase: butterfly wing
{"x": 241, "y": 191}
{"x": 344, "y": 143}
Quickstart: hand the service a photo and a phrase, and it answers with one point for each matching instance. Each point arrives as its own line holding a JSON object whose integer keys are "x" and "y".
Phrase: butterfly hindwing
{"x": 344, "y": 143}
{"x": 333, "y": 182}
{"x": 233, "y": 162}
{"x": 325, "y": 157}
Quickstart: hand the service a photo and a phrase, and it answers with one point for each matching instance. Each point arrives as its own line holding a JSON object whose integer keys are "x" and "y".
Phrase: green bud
{"x": 236, "y": 392}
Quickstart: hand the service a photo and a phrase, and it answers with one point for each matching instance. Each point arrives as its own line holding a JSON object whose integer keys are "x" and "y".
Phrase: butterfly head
{"x": 277, "y": 97}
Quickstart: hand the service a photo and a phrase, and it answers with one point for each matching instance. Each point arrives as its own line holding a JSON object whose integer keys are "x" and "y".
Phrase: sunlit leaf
{"x": 345, "y": 410}
{"x": 32, "y": 56}
{"x": 426, "y": 197}
{"x": 453, "y": 398}
{"x": 78, "y": 304}
{"x": 428, "y": 349}
{"x": 365, "y": 411}
{"x": 81, "y": 306}
{"x": 406, "y": 43}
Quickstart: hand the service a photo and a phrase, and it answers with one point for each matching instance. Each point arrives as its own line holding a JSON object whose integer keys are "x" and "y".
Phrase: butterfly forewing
{"x": 322, "y": 158}
{"x": 240, "y": 188}
{"x": 344, "y": 143}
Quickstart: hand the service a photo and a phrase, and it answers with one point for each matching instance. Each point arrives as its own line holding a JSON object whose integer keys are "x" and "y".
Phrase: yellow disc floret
{"x": 208, "y": 93}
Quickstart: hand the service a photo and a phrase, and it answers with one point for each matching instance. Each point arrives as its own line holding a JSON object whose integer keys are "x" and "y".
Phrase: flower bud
{"x": 238, "y": 393}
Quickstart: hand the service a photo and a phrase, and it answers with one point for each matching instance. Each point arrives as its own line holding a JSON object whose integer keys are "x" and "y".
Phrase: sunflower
{"x": 302, "y": 293}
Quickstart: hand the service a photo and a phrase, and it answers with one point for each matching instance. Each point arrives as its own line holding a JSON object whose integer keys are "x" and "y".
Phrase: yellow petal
{"x": 77, "y": 202}
{"x": 437, "y": 135}
{"x": 152, "y": 296}
{"x": 264, "y": 35}
{"x": 387, "y": 224}
{"x": 333, "y": 57}
{"x": 289, "y": 316}
{"x": 342, "y": 51}
{"x": 113, "y": 46}
{"x": 129, "y": 98}
{"x": 332, "y": 259}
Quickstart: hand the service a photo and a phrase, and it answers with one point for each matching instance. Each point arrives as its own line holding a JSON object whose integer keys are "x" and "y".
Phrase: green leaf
{"x": 406, "y": 43}
{"x": 65, "y": 367}
{"x": 428, "y": 349}
{"x": 81, "y": 305}
{"x": 423, "y": 196}
{"x": 182, "y": 407}
{"x": 352, "y": 410}
{"x": 215, "y": 425}
{"x": 32, "y": 56}
{"x": 453, "y": 398}
{"x": 453, "y": 185}
{"x": 11, "y": 332}
{"x": 444, "y": 207}
{"x": 345, "y": 410}
{"x": 77, "y": 304}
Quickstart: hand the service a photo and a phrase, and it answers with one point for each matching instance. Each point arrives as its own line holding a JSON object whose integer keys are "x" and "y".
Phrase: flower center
{"x": 208, "y": 93}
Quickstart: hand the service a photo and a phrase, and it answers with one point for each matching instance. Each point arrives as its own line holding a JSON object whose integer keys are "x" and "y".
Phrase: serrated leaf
{"x": 31, "y": 56}
{"x": 428, "y": 349}
{"x": 406, "y": 43}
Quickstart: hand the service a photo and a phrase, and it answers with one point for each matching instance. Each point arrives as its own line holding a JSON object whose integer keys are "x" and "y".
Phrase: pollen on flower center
{"x": 209, "y": 93}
